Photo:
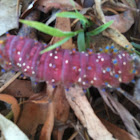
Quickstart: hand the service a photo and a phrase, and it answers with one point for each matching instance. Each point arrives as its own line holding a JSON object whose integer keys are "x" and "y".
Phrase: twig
{"x": 9, "y": 82}
{"x": 73, "y": 136}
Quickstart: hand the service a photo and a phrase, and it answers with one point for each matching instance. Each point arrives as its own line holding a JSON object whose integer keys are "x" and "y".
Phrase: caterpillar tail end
{"x": 136, "y": 60}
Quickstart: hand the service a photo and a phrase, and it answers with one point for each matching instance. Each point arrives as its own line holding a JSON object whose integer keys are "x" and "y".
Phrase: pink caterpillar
{"x": 65, "y": 66}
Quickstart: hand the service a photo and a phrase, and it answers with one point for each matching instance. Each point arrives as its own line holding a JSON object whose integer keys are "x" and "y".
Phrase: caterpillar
{"x": 67, "y": 67}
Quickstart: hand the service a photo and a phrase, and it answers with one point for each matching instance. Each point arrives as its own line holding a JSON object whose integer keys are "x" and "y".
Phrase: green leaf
{"x": 74, "y": 15}
{"x": 81, "y": 42}
{"x": 137, "y": 52}
{"x": 48, "y": 30}
{"x": 137, "y": 46}
{"x": 100, "y": 29}
{"x": 56, "y": 45}
{"x": 88, "y": 41}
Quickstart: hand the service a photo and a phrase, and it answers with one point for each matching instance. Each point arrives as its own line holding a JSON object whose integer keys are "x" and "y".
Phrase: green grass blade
{"x": 137, "y": 46}
{"x": 100, "y": 29}
{"x": 87, "y": 41}
{"x": 47, "y": 29}
{"x": 75, "y": 15}
{"x": 137, "y": 52}
{"x": 56, "y": 45}
{"x": 73, "y": 4}
{"x": 81, "y": 42}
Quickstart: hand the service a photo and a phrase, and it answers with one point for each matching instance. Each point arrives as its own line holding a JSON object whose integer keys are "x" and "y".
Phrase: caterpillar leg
{"x": 37, "y": 86}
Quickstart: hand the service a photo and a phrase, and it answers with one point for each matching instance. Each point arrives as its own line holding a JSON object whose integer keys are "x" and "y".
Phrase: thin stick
{"x": 73, "y": 136}
{"x": 9, "y": 82}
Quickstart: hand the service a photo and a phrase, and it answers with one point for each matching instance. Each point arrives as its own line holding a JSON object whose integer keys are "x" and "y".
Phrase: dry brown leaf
{"x": 48, "y": 125}
{"x": 122, "y": 22}
{"x": 64, "y": 25}
{"x": 34, "y": 114}
{"x": 46, "y": 5}
{"x": 61, "y": 111}
{"x": 61, "y": 102}
{"x": 119, "y": 133}
{"x": 114, "y": 34}
{"x": 118, "y": 38}
{"x": 117, "y": 108}
{"x": 14, "y": 104}
{"x": 86, "y": 115}
{"x": 42, "y": 109}
{"x": 22, "y": 90}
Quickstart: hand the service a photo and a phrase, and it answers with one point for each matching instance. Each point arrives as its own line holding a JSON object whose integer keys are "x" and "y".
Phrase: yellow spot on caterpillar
{"x": 2, "y": 41}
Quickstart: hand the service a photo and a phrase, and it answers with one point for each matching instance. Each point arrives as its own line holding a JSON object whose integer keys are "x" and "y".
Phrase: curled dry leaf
{"x": 117, "y": 108}
{"x": 14, "y": 104}
{"x": 43, "y": 109}
{"x": 48, "y": 125}
{"x": 59, "y": 109}
{"x": 35, "y": 112}
{"x": 86, "y": 115}
{"x": 8, "y": 15}
{"x": 9, "y": 131}
{"x": 46, "y": 5}
{"x": 122, "y": 22}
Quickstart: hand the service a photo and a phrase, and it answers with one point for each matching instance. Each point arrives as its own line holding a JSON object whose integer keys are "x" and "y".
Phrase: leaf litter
{"x": 51, "y": 108}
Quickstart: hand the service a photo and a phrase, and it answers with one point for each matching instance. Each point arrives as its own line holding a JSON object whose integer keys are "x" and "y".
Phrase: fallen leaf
{"x": 60, "y": 101}
{"x": 126, "y": 117}
{"x": 119, "y": 133}
{"x": 48, "y": 125}
{"x": 35, "y": 112}
{"x": 61, "y": 111}
{"x": 14, "y": 104}
{"x": 119, "y": 38}
{"x": 86, "y": 115}
{"x": 23, "y": 89}
{"x": 64, "y": 25}
{"x": 9, "y": 131}
{"x": 122, "y": 22}
{"x": 8, "y": 15}
{"x": 46, "y": 5}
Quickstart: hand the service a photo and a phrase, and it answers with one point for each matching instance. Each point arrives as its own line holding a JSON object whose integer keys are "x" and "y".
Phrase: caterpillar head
{"x": 3, "y": 62}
